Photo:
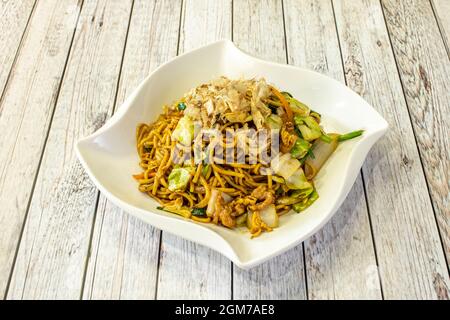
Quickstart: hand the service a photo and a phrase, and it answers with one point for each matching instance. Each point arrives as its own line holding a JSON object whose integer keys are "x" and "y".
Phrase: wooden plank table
{"x": 66, "y": 66}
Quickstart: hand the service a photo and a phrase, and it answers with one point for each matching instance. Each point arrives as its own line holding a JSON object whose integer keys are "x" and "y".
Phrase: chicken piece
{"x": 222, "y": 213}
{"x": 258, "y": 193}
{"x": 240, "y": 205}
{"x": 261, "y": 193}
{"x": 239, "y": 209}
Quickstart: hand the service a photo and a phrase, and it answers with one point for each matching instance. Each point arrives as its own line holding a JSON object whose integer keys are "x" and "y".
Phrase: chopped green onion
{"x": 164, "y": 209}
{"x": 181, "y": 106}
{"x": 285, "y": 93}
{"x": 297, "y": 132}
{"x": 199, "y": 212}
{"x": 350, "y": 135}
{"x": 205, "y": 170}
{"x": 311, "y": 153}
{"x": 326, "y": 138}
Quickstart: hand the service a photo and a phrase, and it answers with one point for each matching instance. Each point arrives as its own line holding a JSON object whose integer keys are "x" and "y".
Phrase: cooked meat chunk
{"x": 262, "y": 193}
{"x": 222, "y": 213}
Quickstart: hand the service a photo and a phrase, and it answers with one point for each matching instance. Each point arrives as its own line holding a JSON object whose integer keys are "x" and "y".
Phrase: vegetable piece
{"x": 300, "y": 148}
{"x": 284, "y": 103}
{"x": 181, "y": 106}
{"x": 184, "y": 132}
{"x": 199, "y": 212}
{"x": 316, "y": 116}
{"x": 309, "y": 128}
{"x": 284, "y": 165}
{"x": 302, "y": 194}
{"x": 295, "y": 197}
{"x": 179, "y": 178}
{"x": 181, "y": 212}
{"x": 298, "y": 207}
{"x": 212, "y": 201}
{"x": 325, "y": 138}
{"x": 241, "y": 220}
{"x": 286, "y": 94}
{"x": 274, "y": 122}
{"x": 269, "y": 216}
{"x": 298, "y": 181}
{"x": 205, "y": 170}
{"x": 298, "y": 107}
{"x": 350, "y": 135}
{"x": 226, "y": 197}
{"x": 309, "y": 134}
{"x": 322, "y": 152}
{"x": 288, "y": 200}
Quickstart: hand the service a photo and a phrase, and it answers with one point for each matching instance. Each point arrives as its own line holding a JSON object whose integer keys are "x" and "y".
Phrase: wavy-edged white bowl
{"x": 109, "y": 155}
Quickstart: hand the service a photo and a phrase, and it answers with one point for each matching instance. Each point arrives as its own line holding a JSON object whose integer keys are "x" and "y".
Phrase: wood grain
{"x": 52, "y": 254}
{"x": 425, "y": 72}
{"x": 258, "y": 28}
{"x": 14, "y": 16}
{"x": 410, "y": 256}
{"x": 25, "y": 115}
{"x": 74, "y": 243}
{"x": 124, "y": 259}
{"x": 441, "y": 10}
{"x": 340, "y": 258}
{"x": 188, "y": 270}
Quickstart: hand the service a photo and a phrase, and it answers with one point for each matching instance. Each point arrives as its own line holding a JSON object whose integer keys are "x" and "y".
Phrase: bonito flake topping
{"x": 228, "y": 100}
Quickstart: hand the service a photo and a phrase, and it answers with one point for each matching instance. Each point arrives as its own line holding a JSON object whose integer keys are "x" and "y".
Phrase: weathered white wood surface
{"x": 25, "y": 115}
{"x": 188, "y": 270}
{"x": 425, "y": 73}
{"x": 340, "y": 259}
{"x": 409, "y": 251}
{"x": 441, "y": 10}
{"x": 124, "y": 257}
{"x": 384, "y": 242}
{"x": 14, "y": 16}
{"x": 258, "y": 29}
{"x": 52, "y": 254}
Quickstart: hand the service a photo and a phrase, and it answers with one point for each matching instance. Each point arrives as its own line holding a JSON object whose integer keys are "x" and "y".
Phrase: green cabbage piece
{"x": 300, "y": 206}
{"x": 274, "y": 121}
{"x": 184, "y": 132}
{"x": 179, "y": 178}
{"x": 308, "y": 127}
{"x": 298, "y": 181}
{"x": 300, "y": 148}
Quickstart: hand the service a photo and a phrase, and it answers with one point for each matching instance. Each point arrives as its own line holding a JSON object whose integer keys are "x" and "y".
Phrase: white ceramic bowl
{"x": 109, "y": 155}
